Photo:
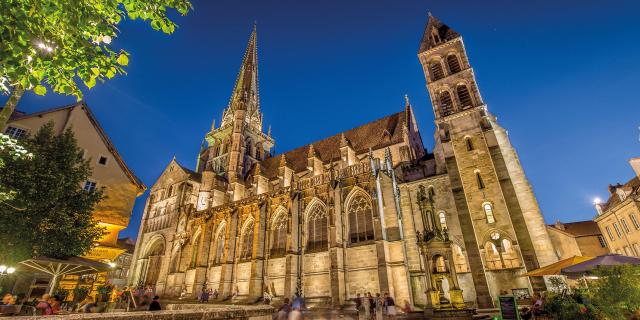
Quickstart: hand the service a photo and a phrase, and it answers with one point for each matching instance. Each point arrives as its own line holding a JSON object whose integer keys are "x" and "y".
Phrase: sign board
{"x": 509, "y": 308}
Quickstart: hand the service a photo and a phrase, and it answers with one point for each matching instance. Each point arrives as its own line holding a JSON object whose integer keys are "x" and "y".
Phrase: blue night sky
{"x": 560, "y": 75}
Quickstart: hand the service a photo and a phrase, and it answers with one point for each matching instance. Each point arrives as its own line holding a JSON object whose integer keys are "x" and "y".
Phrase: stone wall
{"x": 179, "y": 311}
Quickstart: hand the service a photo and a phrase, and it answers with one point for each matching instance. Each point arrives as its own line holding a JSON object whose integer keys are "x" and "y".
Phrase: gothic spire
{"x": 245, "y": 91}
{"x": 436, "y": 33}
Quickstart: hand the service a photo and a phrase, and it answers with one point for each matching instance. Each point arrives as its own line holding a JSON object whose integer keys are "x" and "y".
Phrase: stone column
{"x": 227, "y": 267}
{"x": 256, "y": 280}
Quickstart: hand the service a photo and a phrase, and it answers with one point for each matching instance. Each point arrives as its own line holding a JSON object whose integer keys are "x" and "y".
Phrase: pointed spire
{"x": 213, "y": 124}
{"x": 312, "y": 151}
{"x": 407, "y": 112}
{"x": 269, "y": 131}
{"x": 283, "y": 161}
{"x": 245, "y": 91}
{"x": 436, "y": 33}
{"x": 257, "y": 170}
{"x": 344, "y": 142}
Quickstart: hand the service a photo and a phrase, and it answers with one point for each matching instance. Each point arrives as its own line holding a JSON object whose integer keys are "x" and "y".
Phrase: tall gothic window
{"x": 194, "y": 252}
{"x": 360, "y": 219}
{"x": 317, "y": 234}
{"x": 220, "y": 246}
{"x": 510, "y": 257}
{"x": 463, "y": 96}
{"x": 436, "y": 71}
{"x": 453, "y": 63}
{"x": 459, "y": 259}
{"x": 247, "y": 242}
{"x": 443, "y": 219}
{"x": 446, "y": 104}
{"x": 488, "y": 212}
{"x": 492, "y": 256}
{"x": 279, "y": 236}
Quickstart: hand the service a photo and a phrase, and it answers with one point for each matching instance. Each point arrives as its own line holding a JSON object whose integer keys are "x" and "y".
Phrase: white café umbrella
{"x": 61, "y": 267}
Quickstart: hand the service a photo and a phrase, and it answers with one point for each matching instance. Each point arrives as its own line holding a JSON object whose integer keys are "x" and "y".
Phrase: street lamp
{"x": 5, "y": 271}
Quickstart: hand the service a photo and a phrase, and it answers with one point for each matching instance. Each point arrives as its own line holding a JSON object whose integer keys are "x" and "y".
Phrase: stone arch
{"x": 359, "y": 210}
{"x": 153, "y": 246}
{"x": 246, "y": 242}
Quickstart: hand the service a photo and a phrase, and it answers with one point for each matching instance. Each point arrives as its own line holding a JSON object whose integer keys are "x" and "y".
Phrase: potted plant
{"x": 80, "y": 293}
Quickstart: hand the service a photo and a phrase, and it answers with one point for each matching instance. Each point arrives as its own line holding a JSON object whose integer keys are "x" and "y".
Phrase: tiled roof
{"x": 375, "y": 135}
{"x": 444, "y": 31}
{"x": 632, "y": 187}
{"x": 580, "y": 228}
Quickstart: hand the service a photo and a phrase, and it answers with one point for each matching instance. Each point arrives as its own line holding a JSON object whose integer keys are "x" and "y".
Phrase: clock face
{"x": 495, "y": 236}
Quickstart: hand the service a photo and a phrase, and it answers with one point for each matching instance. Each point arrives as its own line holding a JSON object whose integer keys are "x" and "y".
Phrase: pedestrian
{"x": 296, "y": 312}
{"x": 283, "y": 311}
{"x": 215, "y": 294}
{"x": 379, "y": 306}
{"x": 204, "y": 296}
{"x": 144, "y": 304}
{"x": 6, "y": 298}
{"x": 43, "y": 307}
{"x": 407, "y": 307}
{"x": 359, "y": 309}
{"x": 366, "y": 305}
{"x": 389, "y": 306}
{"x": 155, "y": 304}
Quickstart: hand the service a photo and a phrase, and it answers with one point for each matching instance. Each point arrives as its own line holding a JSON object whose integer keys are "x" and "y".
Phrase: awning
{"x": 610, "y": 259}
{"x": 61, "y": 267}
{"x": 555, "y": 269}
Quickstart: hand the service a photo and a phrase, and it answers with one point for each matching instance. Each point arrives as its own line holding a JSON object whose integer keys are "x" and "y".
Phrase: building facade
{"x": 109, "y": 171}
{"x": 580, "y": 238}
{"x": 341, "y": 216}
{"x": 619, "y": 217}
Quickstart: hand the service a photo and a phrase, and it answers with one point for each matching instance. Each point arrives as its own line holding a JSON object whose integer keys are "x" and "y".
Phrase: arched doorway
{"x": 153, "y": 255}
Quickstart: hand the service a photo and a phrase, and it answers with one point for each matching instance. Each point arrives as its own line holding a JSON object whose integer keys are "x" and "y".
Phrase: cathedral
{"x": 346, "y": 215}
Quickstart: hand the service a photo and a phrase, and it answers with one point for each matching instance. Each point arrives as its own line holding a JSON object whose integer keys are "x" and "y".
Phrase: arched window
{"x": 469, "y": 143}
{"x": 360, "y": 219}
{"x": 463, "y": 96}
{"x": 220, "y": 246}
{"x": 479, "y": 180}
{"x": 259, "y": 151}
{"x": 492, "y": 256}
{"x": 317, "y": 234}
{"x": 443, "y": 219}
{"x": 440, "y": 264}
{"x": 436, "y": 71}
{"x": 459, "y": 259}
{"x": 488, "y": 212}
{"x": 194, "y": 253}
{"x": 446, "y": 104}
{"x": 453, "y": 63}
{"x": 279, "y": 236}
{"x": 510, "y": 257}
{"x": 247, "y": 242}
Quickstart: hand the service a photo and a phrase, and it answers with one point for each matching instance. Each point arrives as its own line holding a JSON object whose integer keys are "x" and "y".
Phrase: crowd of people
{"x": 377, "y": 307}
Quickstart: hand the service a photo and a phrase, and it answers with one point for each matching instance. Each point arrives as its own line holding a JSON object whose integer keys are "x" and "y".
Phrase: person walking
{"x": 43, "y": 307}
{"x": 379, "y": 306}
{"x": 389, "y": 306}
{"x": 215, "y": 294}
{"x": 155, "y": 304}
{"x": 283, "y": 311}
{"x": 366, "y": 305}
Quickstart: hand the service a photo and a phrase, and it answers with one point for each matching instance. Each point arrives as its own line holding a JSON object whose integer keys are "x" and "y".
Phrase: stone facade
{"x": 340, "y": 216}
{"x": 619, "y": 217}
{"x": 581, "y": 238}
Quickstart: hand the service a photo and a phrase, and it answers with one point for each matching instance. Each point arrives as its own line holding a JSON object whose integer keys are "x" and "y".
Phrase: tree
{"x": 9, "y": 148}
{"x": 63, "y": 42}
{"x": 54, "y": 218}
{"x": 616, "y": 293}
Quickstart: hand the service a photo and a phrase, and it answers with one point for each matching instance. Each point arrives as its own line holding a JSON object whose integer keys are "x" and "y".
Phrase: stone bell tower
{"x": 503, "y": 228}
{"x": 238, "y": 142}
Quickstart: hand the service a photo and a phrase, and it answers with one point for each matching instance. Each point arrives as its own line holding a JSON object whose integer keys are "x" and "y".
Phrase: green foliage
{"x": 10, "y": 149}
{"x": 79, "y": 293}
{"x": 62, "y": 293}
{"x": 105, "y": 289}
{"x": 59, "y": 42}
{"x": 570, "y": 306}
{"x": 616, "y": 293}
{"x": 55, "y": 214}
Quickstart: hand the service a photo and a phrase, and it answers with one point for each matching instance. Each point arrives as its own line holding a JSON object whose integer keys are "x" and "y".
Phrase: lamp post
{"x": 5, "y": 271}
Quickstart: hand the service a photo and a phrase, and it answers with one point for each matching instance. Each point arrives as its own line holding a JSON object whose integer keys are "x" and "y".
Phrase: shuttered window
{"x": 464, "y": 97}
{"x": 436, "y": 71}
{"x": 446, "y": 104}
{"x": 453, "y": 63}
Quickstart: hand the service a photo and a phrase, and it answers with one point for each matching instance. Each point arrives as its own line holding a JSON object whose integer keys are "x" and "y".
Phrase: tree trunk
{"x": 10, "y": 106}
